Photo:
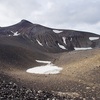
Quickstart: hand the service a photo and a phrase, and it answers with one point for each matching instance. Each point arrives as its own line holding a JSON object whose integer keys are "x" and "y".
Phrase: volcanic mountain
{"x": 22, "y": 44}
{"x": 48, "y": 39}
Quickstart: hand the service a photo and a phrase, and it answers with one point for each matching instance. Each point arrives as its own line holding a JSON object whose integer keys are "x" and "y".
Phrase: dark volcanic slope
{"x": 21, "y": 44}
{"x": 46, "y": 39}
{"x": 24, "y": 43}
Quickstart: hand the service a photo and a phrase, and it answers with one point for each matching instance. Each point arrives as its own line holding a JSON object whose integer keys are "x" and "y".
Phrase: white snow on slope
{"x": 64, "y": 39}
{"x": 39, "y": 43}
{"x": 15, "y": 33}
{"x": 9, "y": 35}
{"x": 57, "y": 31}
{"x": 88, "y": 48}
{"x": 71, "y": 39}
{"x": 39, "y": 61}
{"x": 61, "y": 46}
{"x": 93, "y": 38}
{"x": 46, "y": 69}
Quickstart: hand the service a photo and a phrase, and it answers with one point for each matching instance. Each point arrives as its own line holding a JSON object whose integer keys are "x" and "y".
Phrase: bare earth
{"x": 80, "y": 74}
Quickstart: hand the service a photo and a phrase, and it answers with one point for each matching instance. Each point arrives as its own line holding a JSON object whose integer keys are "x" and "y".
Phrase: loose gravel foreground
{"x": 10, "y": 90}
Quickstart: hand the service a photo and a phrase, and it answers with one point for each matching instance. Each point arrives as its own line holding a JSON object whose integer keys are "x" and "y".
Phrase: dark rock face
{"x": 48, "y": 39}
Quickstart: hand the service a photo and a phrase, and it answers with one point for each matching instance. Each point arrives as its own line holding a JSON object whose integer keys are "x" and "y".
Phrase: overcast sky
{"x": 67, "y": 14}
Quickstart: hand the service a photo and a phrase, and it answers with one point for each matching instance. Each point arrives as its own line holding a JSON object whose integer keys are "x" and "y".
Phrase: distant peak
{"x": 25, "y": 21}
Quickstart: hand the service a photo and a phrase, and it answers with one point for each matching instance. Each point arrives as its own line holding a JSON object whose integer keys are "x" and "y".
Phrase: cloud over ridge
{"x": 71, "y": 14}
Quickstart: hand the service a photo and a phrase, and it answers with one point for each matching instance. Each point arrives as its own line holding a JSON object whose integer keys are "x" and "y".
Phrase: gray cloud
{"x": 73, "y": 14}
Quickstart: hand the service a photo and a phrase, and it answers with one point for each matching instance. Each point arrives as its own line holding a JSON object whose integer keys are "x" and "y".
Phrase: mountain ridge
{"x": 50, "y": 39}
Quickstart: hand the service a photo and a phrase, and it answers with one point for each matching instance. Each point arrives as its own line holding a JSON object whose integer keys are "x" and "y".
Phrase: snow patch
{"x": 46, "y": 69}
{"x": 9, "y": 35}
{"x": 39, "y": 61}
{"x": 61, "y": 46}
{"x": 88, "y": 48}
{"x": 64, "y": 39}
{"x": 15, "y": 33}
{"x": 93, "y": 38}
{"x": 71, "y": 39}
{"x": 39, "y": 43}
{"x": 57, "y": 31}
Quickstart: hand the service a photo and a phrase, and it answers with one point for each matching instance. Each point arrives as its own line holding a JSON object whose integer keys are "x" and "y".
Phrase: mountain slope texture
{"x": 26, "y": 45}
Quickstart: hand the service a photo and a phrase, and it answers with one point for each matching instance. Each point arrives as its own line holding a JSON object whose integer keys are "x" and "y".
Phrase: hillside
{"x": 76, "y": 52}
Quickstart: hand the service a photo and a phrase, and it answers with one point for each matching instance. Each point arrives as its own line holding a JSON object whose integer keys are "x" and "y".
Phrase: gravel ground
{"x": 10, "y": 90}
